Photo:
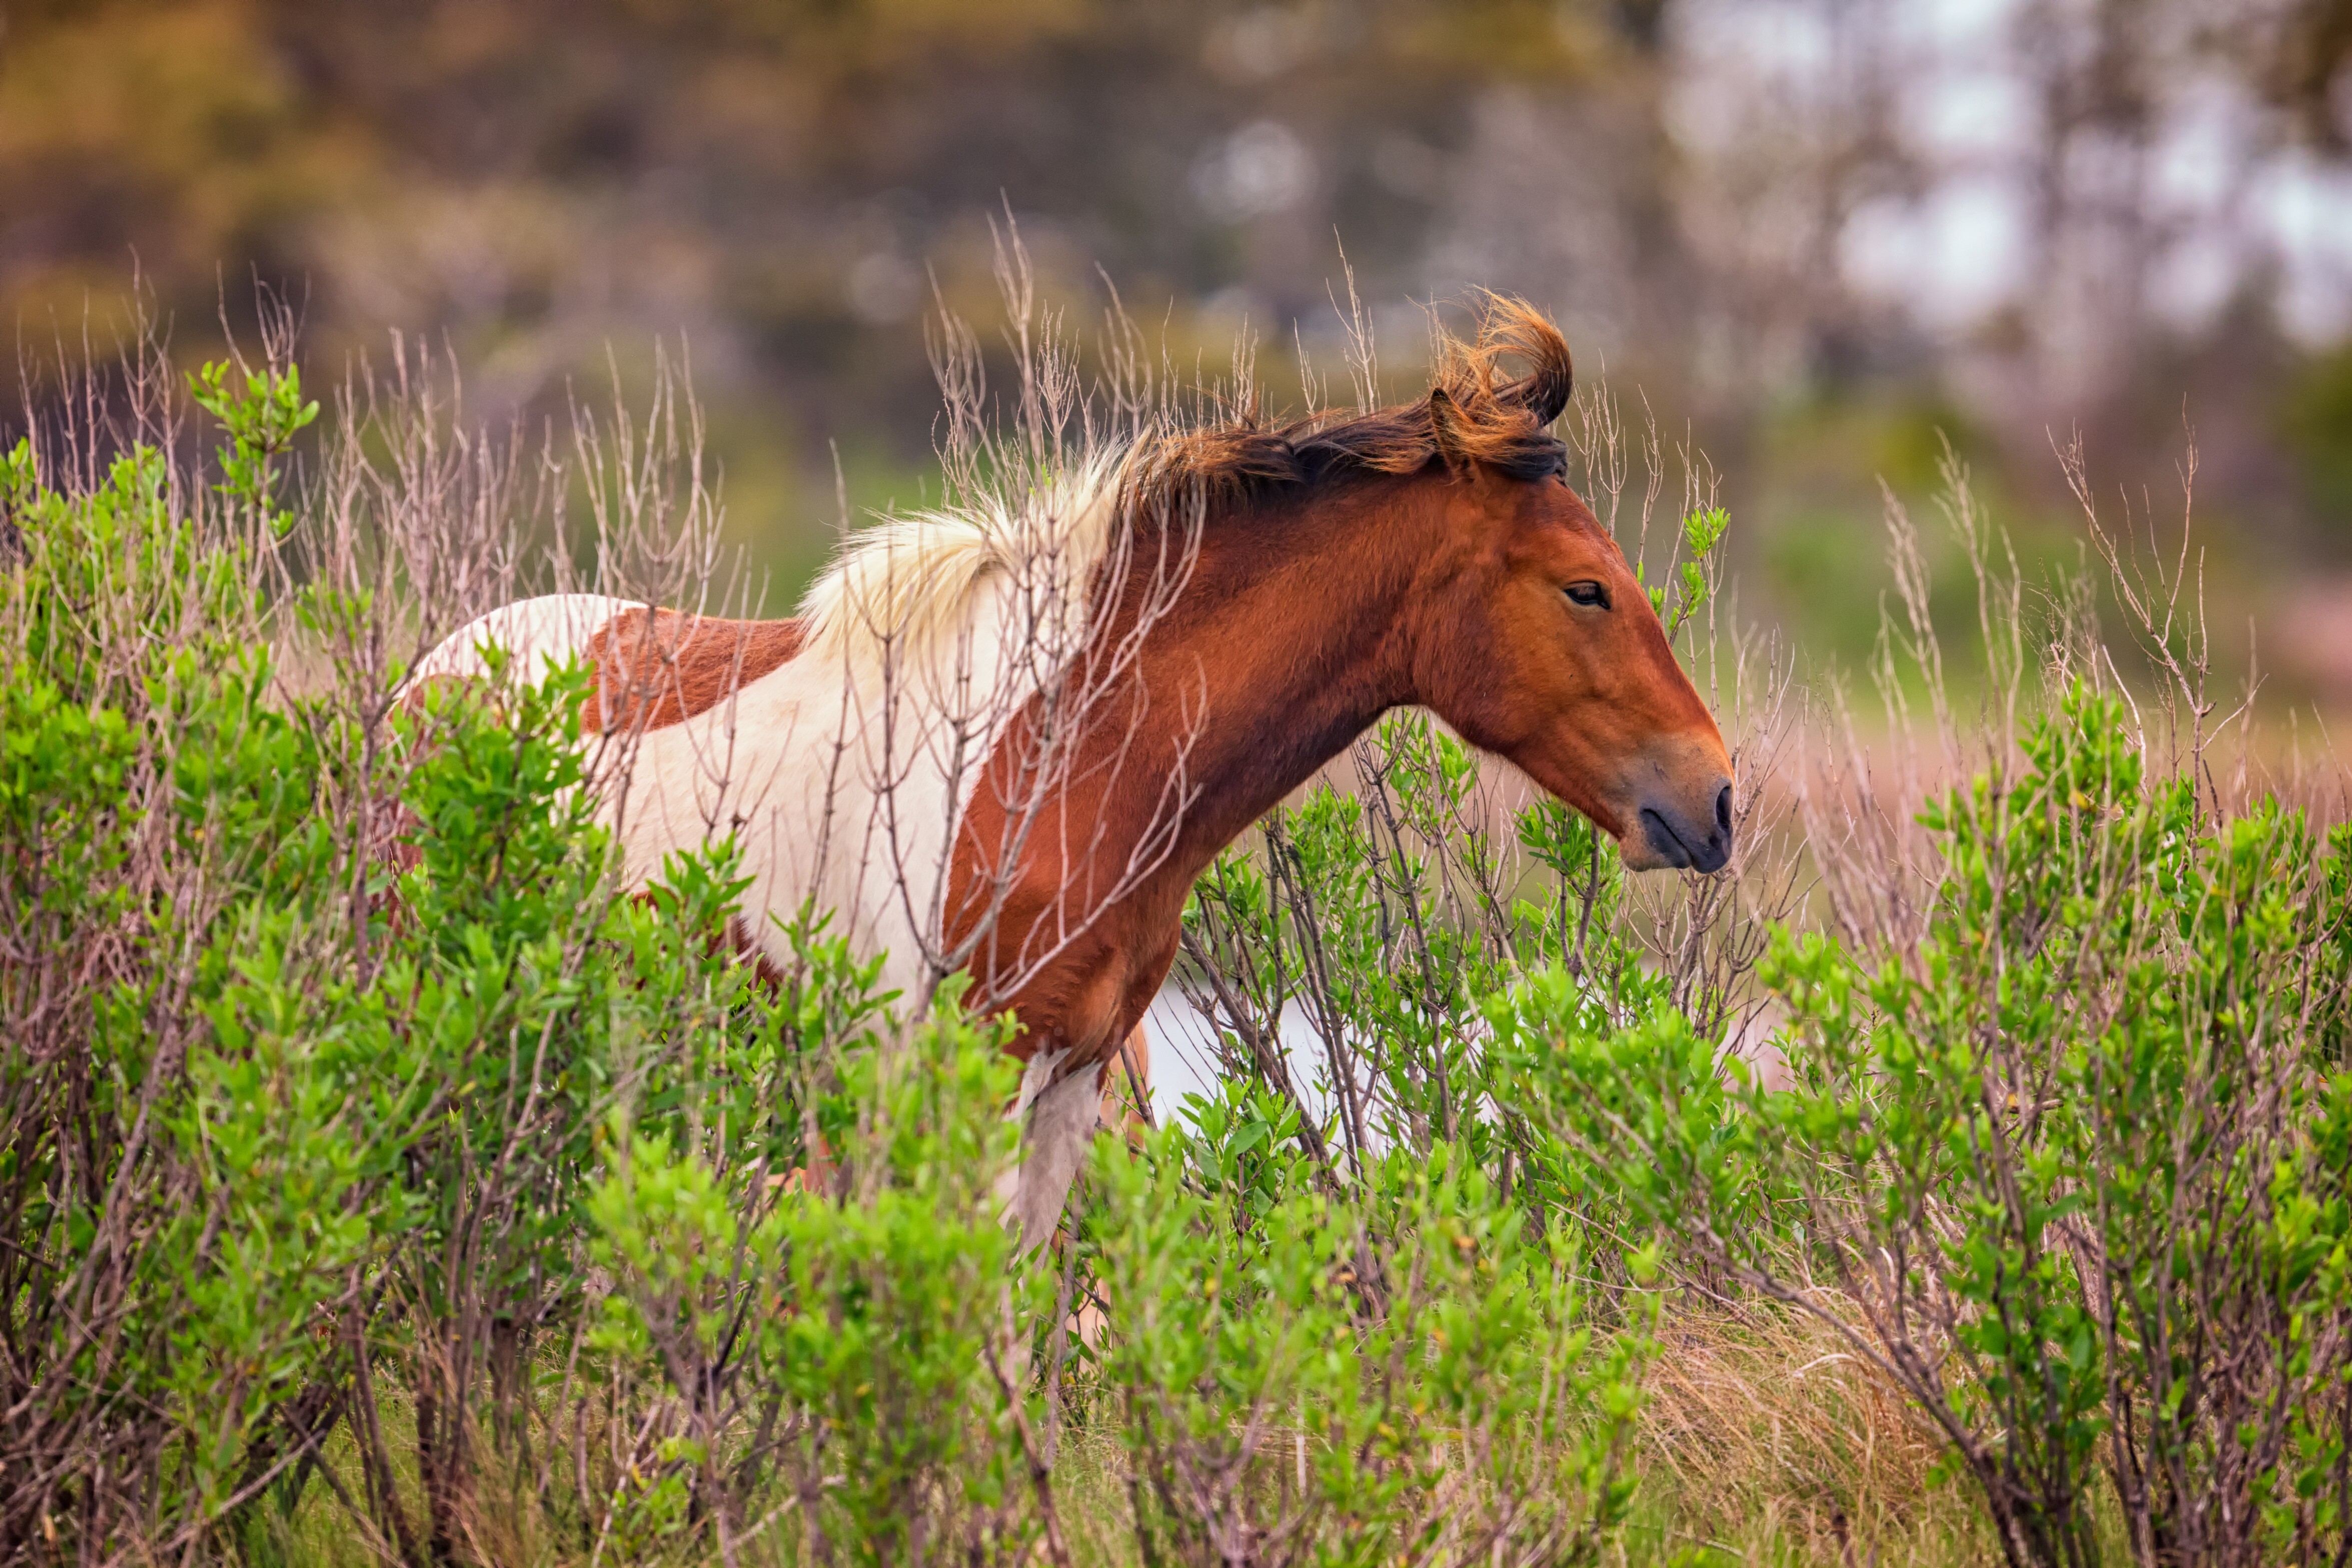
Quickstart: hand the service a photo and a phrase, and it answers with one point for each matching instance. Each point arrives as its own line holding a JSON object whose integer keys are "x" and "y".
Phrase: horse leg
{"x": 1126, "y": 1084}
{"x": 1130, "y": 1067}
{"x": 1125, "y": 1108}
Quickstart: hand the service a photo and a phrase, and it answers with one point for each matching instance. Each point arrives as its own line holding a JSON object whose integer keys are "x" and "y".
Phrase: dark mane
{"x": 1469, "y": 416}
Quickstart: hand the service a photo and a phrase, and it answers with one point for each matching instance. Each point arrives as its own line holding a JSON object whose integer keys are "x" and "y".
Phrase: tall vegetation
{"x": 382, "y": 1182}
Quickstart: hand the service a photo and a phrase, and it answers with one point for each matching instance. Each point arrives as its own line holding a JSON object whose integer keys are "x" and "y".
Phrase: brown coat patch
{"x": 659, "y": 667}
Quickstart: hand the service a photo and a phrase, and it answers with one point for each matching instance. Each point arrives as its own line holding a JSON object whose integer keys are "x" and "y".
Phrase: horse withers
{"x": 1007, "y": 738}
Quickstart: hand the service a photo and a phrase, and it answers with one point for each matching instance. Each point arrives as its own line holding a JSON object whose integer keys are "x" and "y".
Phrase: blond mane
{"x": 903, "y": 587}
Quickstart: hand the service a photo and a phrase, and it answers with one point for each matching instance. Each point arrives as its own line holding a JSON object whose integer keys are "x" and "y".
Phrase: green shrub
{"x": 2078, "y": 1158}
{"x": 1304, "y": 1378}
{"x": 382, "y": 1178}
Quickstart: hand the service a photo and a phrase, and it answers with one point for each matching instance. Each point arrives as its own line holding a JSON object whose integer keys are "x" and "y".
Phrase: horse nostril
{"x": 1723, "y": 811}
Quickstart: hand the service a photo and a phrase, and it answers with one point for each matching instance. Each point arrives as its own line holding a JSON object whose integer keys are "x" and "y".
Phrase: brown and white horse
{"x": 907, "y": 749}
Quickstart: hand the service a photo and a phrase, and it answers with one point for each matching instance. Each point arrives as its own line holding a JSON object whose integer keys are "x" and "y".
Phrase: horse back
{"x": 654, "y": 668}
{"x": 648, "y": 668}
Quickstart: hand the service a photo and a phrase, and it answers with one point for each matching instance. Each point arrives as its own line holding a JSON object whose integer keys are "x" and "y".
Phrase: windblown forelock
{"x": 1502, "y": 424}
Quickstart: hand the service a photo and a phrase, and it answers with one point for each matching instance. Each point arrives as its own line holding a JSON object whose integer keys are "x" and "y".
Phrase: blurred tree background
{"x": 1812, "y": 235}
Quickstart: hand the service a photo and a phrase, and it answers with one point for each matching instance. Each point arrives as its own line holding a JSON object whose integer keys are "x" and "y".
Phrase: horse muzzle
{"x": 1673, "y": 830}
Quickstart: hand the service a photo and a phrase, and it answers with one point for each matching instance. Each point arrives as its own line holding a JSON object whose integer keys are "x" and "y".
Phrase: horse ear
{"x": 1550, "y": 380}
{"x": 1445, "y": 423}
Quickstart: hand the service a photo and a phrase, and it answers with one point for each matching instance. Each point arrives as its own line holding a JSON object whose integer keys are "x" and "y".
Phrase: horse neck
{"x": 1292, "y": 628}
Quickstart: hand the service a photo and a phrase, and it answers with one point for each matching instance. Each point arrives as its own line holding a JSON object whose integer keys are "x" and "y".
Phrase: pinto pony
{"x": 1006, "y": 738}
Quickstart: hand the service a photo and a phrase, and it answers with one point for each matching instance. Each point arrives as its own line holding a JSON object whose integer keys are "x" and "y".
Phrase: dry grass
{"x": 1762, "y": 1442}
{"x": 1765, "y": 1442}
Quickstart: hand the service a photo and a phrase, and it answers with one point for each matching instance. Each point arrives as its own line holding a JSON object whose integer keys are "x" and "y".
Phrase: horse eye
{"x": 1591, "y": 595}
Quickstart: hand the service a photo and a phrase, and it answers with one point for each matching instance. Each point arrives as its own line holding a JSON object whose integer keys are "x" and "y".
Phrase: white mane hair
{"x": 903, "y": 589}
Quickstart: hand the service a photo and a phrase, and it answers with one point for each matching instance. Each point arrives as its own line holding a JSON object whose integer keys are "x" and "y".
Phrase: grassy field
{"x": 383, "y": 1183}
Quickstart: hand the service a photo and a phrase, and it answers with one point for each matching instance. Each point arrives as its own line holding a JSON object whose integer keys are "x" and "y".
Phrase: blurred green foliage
{"x": 783, "y": 184}
{"x": 773, "y": 179}
{"x": 2315, "y": 412}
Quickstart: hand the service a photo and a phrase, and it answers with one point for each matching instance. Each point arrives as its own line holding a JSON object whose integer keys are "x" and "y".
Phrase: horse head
{"x": 1529, "y": 634}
